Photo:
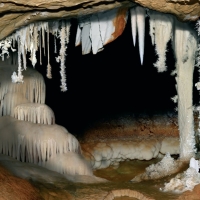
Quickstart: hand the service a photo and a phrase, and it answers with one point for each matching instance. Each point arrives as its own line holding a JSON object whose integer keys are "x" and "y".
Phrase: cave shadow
{"x": 110, "y": 84}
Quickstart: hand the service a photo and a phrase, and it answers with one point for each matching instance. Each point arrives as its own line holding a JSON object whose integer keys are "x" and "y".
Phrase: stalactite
{"x": 106, "y": 25}
{"x": 133, "y": 24}
{"x": 54, "y": 29}
{"x": 64, "y": 39}
{"x": 55, "y": 45}
{"x": 49, "y": 75}
{"x": 34, "y": 112}
{"x": 43, "y": 40}
{"x": 18, "y": 77}
{"x": 10, "y": 101}
{"x": 5, "y": 45}
{"x": 94, "y": 31}
{"x": 40, "y": 40}
{"x": 160, "y": 32}
{"x": 140, "y": 12}
{"x": 78, "y": 36}
{"x": 85, "y": 36}
{"x": 95, "y": 34}
{"x": 23, "y": 45}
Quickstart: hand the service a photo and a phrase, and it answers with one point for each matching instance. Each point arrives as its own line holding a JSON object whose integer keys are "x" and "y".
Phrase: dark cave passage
{"x": 110, "y": 84}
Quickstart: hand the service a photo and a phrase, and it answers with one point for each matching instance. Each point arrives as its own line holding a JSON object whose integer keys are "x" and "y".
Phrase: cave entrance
{"x": 110, "y": 84}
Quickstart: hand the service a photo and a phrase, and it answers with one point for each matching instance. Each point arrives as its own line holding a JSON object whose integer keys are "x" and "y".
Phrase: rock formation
{"x": 17, "y": 13}
{"x": 99, "y": 23}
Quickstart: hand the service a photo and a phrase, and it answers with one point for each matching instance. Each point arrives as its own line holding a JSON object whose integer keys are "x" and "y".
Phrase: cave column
{"x": 185, "y": 45}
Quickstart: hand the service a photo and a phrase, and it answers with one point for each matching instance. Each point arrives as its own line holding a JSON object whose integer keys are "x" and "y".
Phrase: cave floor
{"x": 52, "y": 185}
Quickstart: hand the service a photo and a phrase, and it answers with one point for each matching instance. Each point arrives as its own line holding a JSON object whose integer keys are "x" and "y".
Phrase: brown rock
{"x": 13, "y": 188}
{"x": 17, "y": 13}
{"x": 184, "y": 10}
{"x": 191, "y": 195}
{"x": 119, "y": 23}
{"x": 158, "y": 126}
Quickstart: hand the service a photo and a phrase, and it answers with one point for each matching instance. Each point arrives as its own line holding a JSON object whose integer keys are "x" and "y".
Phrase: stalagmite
{"x": 75, "y": 164}
{"x": 185, "y": 46}
{"x": 133, "y": 24}
{"x": 183, "y": 182}
{"x": 50, "y": 146}
{"x": 32, "y": 89}
{"x": 166, "y": 167}
{"x": 194, "y": 164}
{"x": 34, "y": 143}
{"x": 140, "y": 12}
{"x": 160, "y": 32}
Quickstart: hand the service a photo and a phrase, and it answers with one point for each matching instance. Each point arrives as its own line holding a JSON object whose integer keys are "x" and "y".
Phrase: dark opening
{"x": 109, "y": 84}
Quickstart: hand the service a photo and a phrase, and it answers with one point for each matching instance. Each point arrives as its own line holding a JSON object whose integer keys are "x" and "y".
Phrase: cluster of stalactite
{"x": 93, "y": 33}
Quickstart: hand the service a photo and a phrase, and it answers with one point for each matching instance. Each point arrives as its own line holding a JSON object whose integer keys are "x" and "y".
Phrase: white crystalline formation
{"x": 93, "y": 32}
{"x": 185, "y": 46}
{"x": 161, "y": 33}
{"x": 39, "y": 146}
{"x": 162, "y": 168}
{"x": 138, "y": 25}
{"x": 30, "y": 39}
{"x": 96, "y": 30}
{"x": 186, "y": 180}
{"x": 27, "y": 127}
{"x": 31, "y": 91}
{"x": 36, "y": 113}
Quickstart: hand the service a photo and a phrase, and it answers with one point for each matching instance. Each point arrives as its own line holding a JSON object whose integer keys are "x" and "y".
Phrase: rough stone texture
{"x": 131, "y": 128}
{"x": 17, "y": 13}
{"x": 101, "y": 155}
{"x": 12, "y": 16}
{"x": 16, "y": 188}
{"x": 187, "y": 10}
{"x": 111, "y": 141}
{"x": 191, "y": 195}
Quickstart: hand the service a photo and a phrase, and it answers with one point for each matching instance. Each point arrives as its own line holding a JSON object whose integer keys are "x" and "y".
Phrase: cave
{"x": 112, "y": 116}
{"x": 110, "y": 84}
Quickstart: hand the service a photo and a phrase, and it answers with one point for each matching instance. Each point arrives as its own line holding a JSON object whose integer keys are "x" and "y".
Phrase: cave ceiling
{"x": 18, "y": 13}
